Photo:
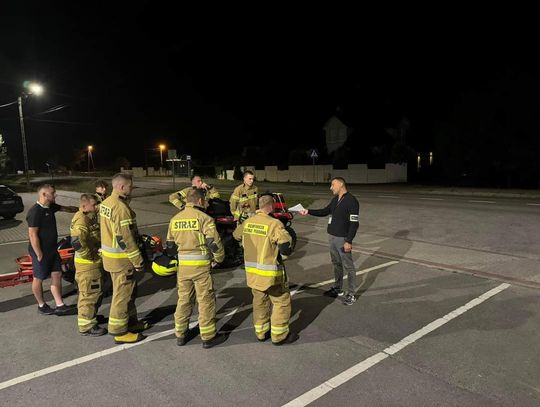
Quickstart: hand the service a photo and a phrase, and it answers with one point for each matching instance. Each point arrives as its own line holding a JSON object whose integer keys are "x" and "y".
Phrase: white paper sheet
{"x": 296, "y": 208}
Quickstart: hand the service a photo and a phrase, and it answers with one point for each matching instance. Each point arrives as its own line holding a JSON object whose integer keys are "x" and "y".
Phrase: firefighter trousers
{"x": 123, "y": 311}
{"x": 90, "y": 294}
{"x": 271, "y": 311}
{"x": 195, "y": 283}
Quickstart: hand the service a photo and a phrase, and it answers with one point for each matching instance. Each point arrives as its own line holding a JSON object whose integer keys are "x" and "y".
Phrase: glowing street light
{"x": 35, "y": 89}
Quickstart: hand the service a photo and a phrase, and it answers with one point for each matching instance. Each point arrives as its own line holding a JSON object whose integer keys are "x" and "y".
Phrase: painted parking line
{"x": 336, "y": 381}
{"x": 487, "y": 202}
{"x": 150, "y": 338}
{"x": 388, "y": 196}
{"x": 152, "y": 225}
{"x": 533, "y": 204}
{"x": 359, "y": 272}
{"x": 431, "y": 199}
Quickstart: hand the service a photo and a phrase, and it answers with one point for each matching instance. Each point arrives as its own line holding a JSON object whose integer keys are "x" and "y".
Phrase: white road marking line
{"x": 118, "y": 348}
{"x": 319, "y": 391}
{"x": 230, "y": 314}
{"x": 380, "y": 266}
{"x": 388, "y": 196}
{"x": 81, "y": 360}
{"x": 533, "y": 204}
{"x": 376, "y": 241}
{"x": 488, "y": 202}
{"x": 60, "y": 236}
{"x": 15, "y": 242}
{"x": 432, "y": 199}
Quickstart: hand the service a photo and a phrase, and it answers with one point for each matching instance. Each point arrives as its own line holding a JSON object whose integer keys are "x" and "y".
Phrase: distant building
{"x": 336, "y": 132}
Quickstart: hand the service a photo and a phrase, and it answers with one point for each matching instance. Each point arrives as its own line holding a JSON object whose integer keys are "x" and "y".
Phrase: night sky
{"x": 209, "y": 85}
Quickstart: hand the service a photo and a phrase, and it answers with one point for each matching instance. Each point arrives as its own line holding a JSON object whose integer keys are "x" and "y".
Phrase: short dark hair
{"x": 194, "y": 176}
{"x": 45, "y": 186}
{"x": 340, "y": 179}
{"x": 101, "y": 184}
{"x": 194, "y": 195}
{"x": 88, "y": 198}
{"x": 121, "y": 177}
{"x": 248, "y": 172}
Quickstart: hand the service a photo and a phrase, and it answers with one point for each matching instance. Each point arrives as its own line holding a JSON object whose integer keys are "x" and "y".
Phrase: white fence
{"x": 355, "y": 173}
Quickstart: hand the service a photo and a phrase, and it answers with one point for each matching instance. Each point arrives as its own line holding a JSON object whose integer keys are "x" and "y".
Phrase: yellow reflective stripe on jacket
{"x": 261, "y": 266}
{"x": 127, "y": 222}
{"x": 202, "y": 242}
{"x": 264, "y": 273}
{"x": 117, "y": 252}
{"x": 236, "y": 198}
{"x": 113, "y": 252}
{"x": 117, "y": 321}
{"x": 133, "y": 254}
{"x": 194, "y": 262}
{"x": 114, "y": 255}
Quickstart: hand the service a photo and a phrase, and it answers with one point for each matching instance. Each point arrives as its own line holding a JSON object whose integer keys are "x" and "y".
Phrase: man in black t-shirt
{"x": 43, "y": 236}
{"x": 342, "y": 226}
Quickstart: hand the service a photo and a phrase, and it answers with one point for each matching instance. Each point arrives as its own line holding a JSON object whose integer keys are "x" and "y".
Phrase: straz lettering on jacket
{"x": 105, "y": 211}
{"x": 185, "y": 224}
{"x": 256, "y": 229}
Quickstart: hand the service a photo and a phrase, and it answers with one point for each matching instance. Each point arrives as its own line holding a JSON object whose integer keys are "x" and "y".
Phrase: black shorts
{"x": 49, "y": 263}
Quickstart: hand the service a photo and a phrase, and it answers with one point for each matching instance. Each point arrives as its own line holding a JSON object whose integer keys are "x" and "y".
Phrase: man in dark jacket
{"x": 342, "y": 226}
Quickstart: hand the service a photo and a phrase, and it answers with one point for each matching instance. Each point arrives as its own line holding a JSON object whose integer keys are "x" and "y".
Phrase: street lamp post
{"x": 161, "y": 148}
{"x": 36, "y": 89}
{"x": 23, "y": 137}
{"x": 90, "y": 157}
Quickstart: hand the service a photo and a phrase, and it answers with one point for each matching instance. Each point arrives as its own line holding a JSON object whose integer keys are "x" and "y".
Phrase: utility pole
{"x": 23, "y": 136}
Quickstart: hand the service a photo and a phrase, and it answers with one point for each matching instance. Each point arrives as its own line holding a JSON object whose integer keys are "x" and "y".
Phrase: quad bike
{"x": 225, "y": 225}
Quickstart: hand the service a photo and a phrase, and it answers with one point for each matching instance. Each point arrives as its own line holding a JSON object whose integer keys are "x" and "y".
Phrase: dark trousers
{"x": 343, "y": 263}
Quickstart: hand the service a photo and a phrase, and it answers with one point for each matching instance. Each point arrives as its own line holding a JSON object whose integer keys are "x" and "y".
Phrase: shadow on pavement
{"x": 398, "y": 245}
{"x": 9, "y": 223}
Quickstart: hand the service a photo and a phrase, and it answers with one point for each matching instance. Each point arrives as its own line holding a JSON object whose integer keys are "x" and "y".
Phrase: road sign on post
{"x": 171, "y": 153}
{"x": 173, "y": 161}
{"x": 313, "y": 156}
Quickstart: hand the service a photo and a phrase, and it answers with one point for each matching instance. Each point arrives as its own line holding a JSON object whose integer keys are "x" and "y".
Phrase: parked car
{"x": 10, "y": 203}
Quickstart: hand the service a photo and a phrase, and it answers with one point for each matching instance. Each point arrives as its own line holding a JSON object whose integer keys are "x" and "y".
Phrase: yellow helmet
{"x": 165, "y": 266}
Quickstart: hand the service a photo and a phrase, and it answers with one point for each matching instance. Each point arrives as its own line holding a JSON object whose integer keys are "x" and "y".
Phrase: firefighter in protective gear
{"x": 266, "y": 243}
{"x": 243, "y": 200}
{"x": 121, "y": 258}
{"x": 193, "y": 235}
{"x": 178, "y": 198}
{"x": 101, "y": 191}
{"x": 85, "y": 240}
{"x": 100, "y": 195}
